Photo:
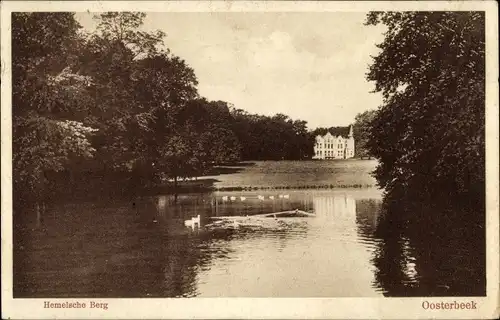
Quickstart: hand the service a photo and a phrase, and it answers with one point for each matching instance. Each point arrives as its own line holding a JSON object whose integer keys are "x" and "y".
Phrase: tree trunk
{"x": 39, "y": 196}
{"x": 175, "y": 189}
{"x": 40, "y": 210}
{"x": 38, "y": 215}
{"x": 71, "y": 178}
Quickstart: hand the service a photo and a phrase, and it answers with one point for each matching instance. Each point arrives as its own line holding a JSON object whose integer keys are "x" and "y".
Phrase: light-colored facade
{"x": 334, "y": 146}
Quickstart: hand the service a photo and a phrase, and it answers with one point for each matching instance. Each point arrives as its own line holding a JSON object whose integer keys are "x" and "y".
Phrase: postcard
{"x": 250, "y": 159}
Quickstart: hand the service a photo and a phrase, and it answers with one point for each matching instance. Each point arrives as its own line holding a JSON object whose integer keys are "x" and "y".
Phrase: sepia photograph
{"x": 241, "y": 150}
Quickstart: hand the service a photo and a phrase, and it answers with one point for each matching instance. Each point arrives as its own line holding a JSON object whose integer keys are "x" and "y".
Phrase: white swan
{"x": 193, "y": 222}
{"x": 286, "y": 196}
{"x": 224, "y": 198}
{"x": 233, "y": 198}
{"x": 243, "y": 198}
{"x": 260, "y": 197}
{"x": 196, "y": 221}
{"x": 271, "y": 197}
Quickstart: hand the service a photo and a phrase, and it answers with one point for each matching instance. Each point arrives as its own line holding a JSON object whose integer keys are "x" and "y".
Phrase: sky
{"x": 309, "y": 66}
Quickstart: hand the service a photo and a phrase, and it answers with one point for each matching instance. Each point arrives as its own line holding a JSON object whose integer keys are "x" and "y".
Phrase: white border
{"x": 237, "y": 308}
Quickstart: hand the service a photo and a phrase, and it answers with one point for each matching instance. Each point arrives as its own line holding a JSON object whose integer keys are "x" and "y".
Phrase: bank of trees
{"x": 111, "y": 103}
{"x": 271, "y": 138}
{"x": 117, "y": 105}
{"x": 429, "y": 134}
{"x": 429, "y": 137}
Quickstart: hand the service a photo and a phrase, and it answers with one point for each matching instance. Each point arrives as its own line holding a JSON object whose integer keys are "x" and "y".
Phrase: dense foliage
{"x": 362, "y": 132}
{"x": 116, "y": 105}
{"x": 271, "y": 138}
{"x": 429, "y": 135}
{"x": 47, "y": 98}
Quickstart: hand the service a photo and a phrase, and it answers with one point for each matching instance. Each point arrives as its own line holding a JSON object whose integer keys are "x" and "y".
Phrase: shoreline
{"x": 169, "y": 190}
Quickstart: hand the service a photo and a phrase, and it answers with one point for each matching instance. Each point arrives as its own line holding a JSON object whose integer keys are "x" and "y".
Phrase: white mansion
{"x": 337, "y": 143}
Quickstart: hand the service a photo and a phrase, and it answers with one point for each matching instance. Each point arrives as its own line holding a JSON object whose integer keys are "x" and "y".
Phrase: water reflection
{"x": 429, "y": 250}
{"x": 356, "y": 246}
{"x": 318, "y": 257}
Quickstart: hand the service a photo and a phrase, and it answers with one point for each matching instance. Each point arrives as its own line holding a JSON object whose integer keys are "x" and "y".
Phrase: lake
{"x": 141, "y": 248}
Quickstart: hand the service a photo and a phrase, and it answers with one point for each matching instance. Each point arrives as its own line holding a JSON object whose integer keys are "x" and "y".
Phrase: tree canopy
{"x": 362, "y": 132}
{"x": 271, "y": 138}
{"x": 47, "y": 98}
{"x": 115, "y": 102}
{"x": 429, "y": 132}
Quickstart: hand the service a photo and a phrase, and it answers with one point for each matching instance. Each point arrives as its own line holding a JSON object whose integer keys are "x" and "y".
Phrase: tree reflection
{"x": 155, "y": 263}
{"x": 367, "y": 215}
{"x": 164, "y": 258}
{"x": 429, "y": 248}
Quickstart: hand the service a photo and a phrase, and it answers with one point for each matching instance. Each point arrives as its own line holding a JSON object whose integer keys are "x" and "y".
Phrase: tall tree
{"x": 164, "y": 88}
{"x": 362, "y": 132}
{"x": 224, "y": 146}
{"x": 429, "y": 133}
{"x": 140, "y": 88}
{"x": 114, "y": 57}
{"x": 201, "y": 137}
{"x": 48, "y": 100}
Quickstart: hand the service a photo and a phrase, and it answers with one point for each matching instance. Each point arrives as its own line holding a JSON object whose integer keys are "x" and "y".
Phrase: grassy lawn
{"x": 294, "y": 174}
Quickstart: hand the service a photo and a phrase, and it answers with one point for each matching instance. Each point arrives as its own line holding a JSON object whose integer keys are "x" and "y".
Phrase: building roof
{"x": 334, "y": 131}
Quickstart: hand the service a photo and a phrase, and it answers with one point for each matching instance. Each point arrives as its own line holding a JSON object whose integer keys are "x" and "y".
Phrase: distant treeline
{"x": 272, "y": 138}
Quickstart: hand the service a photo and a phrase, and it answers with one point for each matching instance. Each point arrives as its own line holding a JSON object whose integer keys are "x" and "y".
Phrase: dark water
{"x": 141, "y": 248}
